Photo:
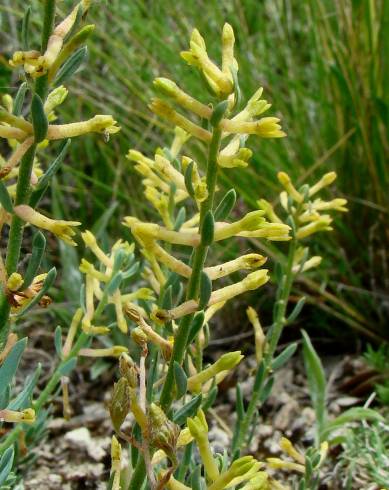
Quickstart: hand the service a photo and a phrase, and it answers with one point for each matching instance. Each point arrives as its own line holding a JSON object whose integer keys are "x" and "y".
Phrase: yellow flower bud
{"x": 260, "y": 337}
{"x": 279, "y": 464}
{"x": 322, "y": 224}
{"x": 55, "y": 98}
{"x": 62, "y": 229}
{"x": 26, "y": 416}
{"x": 171, "y": 89}
{"x": 289, "y": 449}
{"x": 15, "y": 282}
{"x": 228, "y": 61}
{"x": 225, "y": 363}
{"x": 164, "y": 110}
{"x": 198, "y": 427}
{"x": 98, "y": 124}
{"x": 284, "y": 179}
{"x": 114, "y": 351}
{"x": 326, "y": 180}
{"x": 238, "y": 468}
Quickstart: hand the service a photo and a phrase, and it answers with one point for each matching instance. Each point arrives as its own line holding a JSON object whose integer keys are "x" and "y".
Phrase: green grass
{"x": 322, "y": 65}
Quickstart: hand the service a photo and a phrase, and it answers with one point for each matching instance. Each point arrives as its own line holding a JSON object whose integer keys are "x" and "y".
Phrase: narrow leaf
{"x": 70, "y": 66}
{"x": 296, "y": 310}
{"x": 316, "y": 380}
{"x": 50, "y": 278}
{"x": 50, "y": 172}
{"x": 226, "y": 205}
{"x": 25, "y": 29}
{"x": 188, "y": 410}
{"x": 197, "y": 323}
{"x": 352, "y": 415}
{"x": 39, "y": 119}
{"x": 6, "y": 463}
{"x": 240, "y": 412}
{"x": 38, "y": 249}
{"x": 11, "y": 363}
{"x": 19, "y": 99}
{"x": 284, "y": 357}
{"x": 207, "y": 229}
{"x": 23, "y": 400}
{"x": 188, "y": 179}
{"x": 205, "y": 290}
{"x": 58, "y": 340}
{"x": 180, "y": 379}
{"x": 67, "y": 367}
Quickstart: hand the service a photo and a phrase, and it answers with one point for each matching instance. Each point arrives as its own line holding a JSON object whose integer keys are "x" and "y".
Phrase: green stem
{"x": 180, "y": 341}
{"x": 199, "y": 257}
{"x": 23, "y": 187}
{"x": 282, "y": 303}
{"x": 275, "y": 334}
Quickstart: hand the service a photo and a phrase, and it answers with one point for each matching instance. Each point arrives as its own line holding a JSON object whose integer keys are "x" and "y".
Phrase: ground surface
{"x": 75, "y": 453}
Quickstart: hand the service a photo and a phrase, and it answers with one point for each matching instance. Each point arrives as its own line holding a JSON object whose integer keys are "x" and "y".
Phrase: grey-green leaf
{"x": 188, "y": 410}
{"x": 38, "y": 249}
{"x": 226, "y": 205}
{"x": 180, "y": 379}
{"x": 11, "y": 363}
{"x": 205, "y": 290}
{"x": 39, "y": 119}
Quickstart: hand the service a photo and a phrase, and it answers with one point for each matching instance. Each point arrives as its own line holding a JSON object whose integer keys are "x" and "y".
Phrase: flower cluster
{"x": 306, "y": 211}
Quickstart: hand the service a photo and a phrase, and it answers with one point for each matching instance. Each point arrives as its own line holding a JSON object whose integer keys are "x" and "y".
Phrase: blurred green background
{"x": 323, "y": 67}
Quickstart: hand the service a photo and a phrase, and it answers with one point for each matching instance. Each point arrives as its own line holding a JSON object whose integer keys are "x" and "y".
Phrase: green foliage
{"x": 378, "y": 359}
{"x": 364, "y": 458}
{"x": 166, "y": 383}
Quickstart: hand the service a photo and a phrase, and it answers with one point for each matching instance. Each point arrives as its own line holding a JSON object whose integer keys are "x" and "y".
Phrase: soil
{"x": 75, "y": 454}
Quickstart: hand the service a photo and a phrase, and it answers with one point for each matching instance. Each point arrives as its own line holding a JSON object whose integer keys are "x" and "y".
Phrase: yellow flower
{"x": 326, "y": 180}
{"x": 115, "y": 351}
{"x": 199, "y": 429}
{"x": 266, "y": 127}
{"x": 166, "y": 111}
{"x": 26, "y": 416}
{"x": 98, "y": 124}
{"x": 219, "y": 81}
{"x": 225, "y": 363}
{"x": 289, "y": 187}
{"x": 62, "y": 229}
{"x": 171, "y": 89}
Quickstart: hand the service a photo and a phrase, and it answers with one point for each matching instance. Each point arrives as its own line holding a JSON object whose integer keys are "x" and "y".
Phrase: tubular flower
{"x": 170, "y": 89}
{"x": 166, "y": 111}
{"x": 98, "y": 124}
{"x": 260, "y": 338}
{"x": 198, "y": 427}
{"x": 239, "y": 468}
{"x": 62, "y": 229}
{"x": 26, "y": 416}
{"x": 290, "y": 189}
{"x": 21, "y": 298}
{"x": 225, "y": 363}
{"x": 266, "y": 127}
{"x": 116, "y": 459}
{"x": 37, "y": 64}
{"x": 252, "y": 281}
{"x": 325, "y": 181}
{"x": 220, "y": 81}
